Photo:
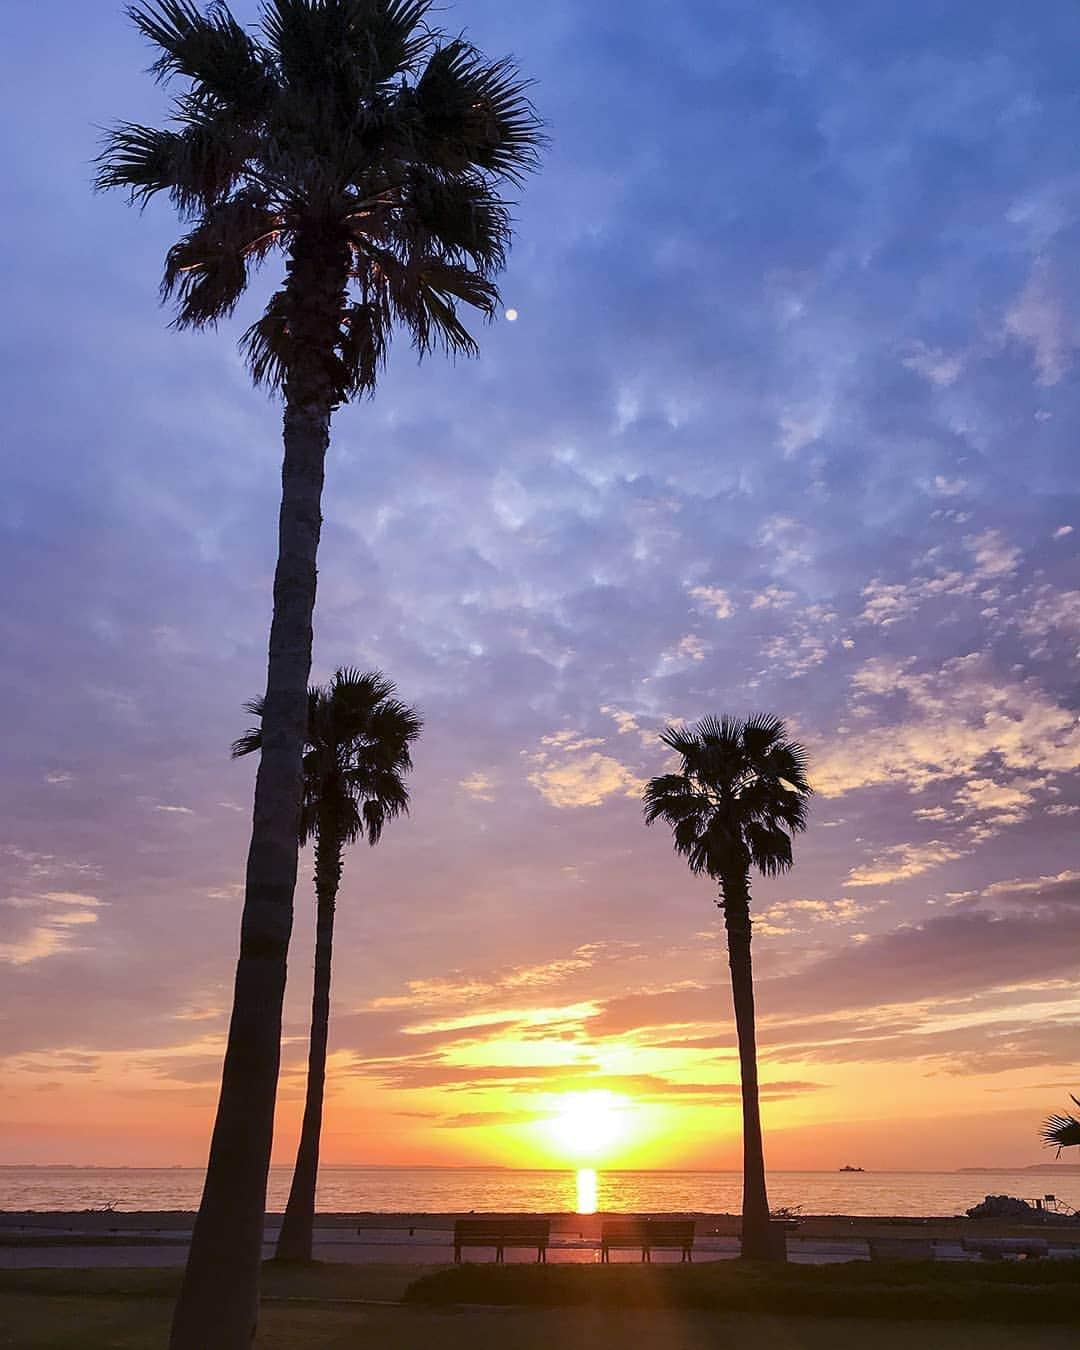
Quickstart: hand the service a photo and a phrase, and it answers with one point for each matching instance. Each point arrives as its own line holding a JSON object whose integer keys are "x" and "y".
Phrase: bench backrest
{"x": 525, "y": 1230}
{"x": 647, "y": 1232}
{"x": 671, "y": 1230}
{"x": 631, "y": 1231}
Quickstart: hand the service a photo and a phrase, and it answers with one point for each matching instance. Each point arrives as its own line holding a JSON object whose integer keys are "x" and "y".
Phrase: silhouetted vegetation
{"x": 738, "y": 797}
{"x": 1062, "y": 1131}
{"x": 369, "y": 150}
{"x": 356, "y": 756}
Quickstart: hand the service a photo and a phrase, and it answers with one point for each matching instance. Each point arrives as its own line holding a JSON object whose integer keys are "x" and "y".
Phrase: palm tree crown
{"x": 356, "y": 757}
{"x": 739, "y": 796}
{"x": 1062, "y": 1131}
{"x": 347, "y": 127}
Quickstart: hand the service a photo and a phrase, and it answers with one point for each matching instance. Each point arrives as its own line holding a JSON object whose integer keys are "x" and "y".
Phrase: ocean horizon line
{"x": 1044, "y": 1167}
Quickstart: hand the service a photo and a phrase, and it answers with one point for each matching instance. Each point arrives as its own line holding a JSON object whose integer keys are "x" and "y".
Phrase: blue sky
{"x": 786, "y": 422}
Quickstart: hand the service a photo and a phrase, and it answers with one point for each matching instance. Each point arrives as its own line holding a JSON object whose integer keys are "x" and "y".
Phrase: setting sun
{"x": 589, "y": 1123}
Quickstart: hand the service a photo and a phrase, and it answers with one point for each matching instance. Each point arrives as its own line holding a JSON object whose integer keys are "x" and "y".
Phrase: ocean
{"x": 390, "y": 1190}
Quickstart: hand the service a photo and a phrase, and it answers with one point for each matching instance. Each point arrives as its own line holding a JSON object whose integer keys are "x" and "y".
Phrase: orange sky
{"x": 528, "y": 1069}
{"x": 795, "y": 435}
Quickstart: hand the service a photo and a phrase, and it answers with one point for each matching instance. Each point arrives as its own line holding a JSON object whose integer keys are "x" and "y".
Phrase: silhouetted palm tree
{"x": 740, "y": 794}
{"x": 357, "y": 755}
{"x": 1062, "y": 1131}
{"x": 369, "y": 150}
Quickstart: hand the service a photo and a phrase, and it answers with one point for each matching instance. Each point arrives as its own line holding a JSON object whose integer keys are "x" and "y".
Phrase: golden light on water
{"x": 586, "y": 1190}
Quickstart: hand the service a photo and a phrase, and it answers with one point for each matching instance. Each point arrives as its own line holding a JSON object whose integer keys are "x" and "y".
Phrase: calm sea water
{"x": 438, "y": 1190}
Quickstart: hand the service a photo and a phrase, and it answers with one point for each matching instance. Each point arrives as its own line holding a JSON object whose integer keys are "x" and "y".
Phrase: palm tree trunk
{"x": 218, "y": 1304}
{"x": 298, "y": 1225}
{"x": 756, "y": 1231}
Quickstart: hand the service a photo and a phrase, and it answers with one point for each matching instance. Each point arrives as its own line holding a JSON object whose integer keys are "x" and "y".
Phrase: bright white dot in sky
{"x": 511, "y": 315}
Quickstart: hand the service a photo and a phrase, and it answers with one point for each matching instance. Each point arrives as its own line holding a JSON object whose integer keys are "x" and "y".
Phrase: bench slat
{"x": 647, "y": 1234}
{"x": 502, "y": 1233}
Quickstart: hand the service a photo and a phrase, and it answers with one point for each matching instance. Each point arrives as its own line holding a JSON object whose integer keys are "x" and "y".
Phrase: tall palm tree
{"x": 740, "y": 794}
{"x": 1062, "y": 1131}
{"x": 357, "y": 754}
{"x": 370, "y": 151}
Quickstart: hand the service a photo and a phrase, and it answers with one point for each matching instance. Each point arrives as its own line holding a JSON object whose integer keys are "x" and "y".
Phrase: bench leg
{"x": 604, "y": 1256}
{"x": 457, "y": 1256}
{"x": 498, "y": 1256}
{"x": 646, "y": 1254}
{"x": 541, "y": 1255}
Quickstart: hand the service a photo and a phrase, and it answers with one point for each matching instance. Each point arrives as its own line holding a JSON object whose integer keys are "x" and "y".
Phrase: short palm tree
{"x": 1062, "y": 1131}
{"x": 357, "y": 754}
{"x": 740, "y": 794}
{"x": 370, "y": 152}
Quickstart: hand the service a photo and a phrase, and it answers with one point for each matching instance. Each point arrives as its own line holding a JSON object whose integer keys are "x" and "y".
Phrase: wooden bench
{"x": 500, "y": 1234}
{"x": 996, "y": 1249}
{"x": 673, "y": 1234}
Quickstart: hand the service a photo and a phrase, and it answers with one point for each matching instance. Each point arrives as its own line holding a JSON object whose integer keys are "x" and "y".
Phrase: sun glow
{"x": 588, "y": 1123}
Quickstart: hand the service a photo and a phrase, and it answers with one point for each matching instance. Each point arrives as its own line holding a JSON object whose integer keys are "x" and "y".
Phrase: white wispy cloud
{"x": 479, "y": 786}
{"x": 716, "y": 599}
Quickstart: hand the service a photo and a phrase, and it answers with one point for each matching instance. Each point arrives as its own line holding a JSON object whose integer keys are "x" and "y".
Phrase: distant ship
{"x": 849, "y": 1168}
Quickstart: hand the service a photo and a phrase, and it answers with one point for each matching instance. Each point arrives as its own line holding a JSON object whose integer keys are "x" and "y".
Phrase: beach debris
{"x": 1047, "y": 1210}
{"x": 1003, "y": 1207}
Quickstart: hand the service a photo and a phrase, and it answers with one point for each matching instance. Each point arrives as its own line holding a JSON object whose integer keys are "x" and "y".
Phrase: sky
{"x": 786, "y": 422}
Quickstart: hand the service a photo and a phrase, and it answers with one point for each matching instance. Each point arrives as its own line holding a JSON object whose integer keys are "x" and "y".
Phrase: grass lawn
{"x": 1021, "y": 1292}
{"x": 38, "y": 1322}
{"x": 129, "y": 1310}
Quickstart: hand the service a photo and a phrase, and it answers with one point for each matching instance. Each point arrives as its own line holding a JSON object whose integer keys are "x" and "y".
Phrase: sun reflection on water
{"x": 586, "y": 1190}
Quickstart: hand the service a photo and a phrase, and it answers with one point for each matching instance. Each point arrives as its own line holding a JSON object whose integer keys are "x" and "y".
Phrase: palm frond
{"x": 350, "y": 46}
{"x": 357, "y": 755}
{"x": 251, "y": 740}
{"x": 404, "y": 36}
{"x": 423, "y": 295}
{"x": 459, "y": 217}
{"x": 739, "y": 798}
{"x": 680, "y": 739}
{"x": 673, "y": 797}
{"x": 207, "y": 271}
{"x": 206, "y": 46}
{"x": 1062, "y": 1131}
{"x": 196, "y": 167}
{"x": 137, "y": 158}
{"x": 433, "y": 318}
{"x": 769, "y": 847}
{"x": 266, "y": 344}
{"x": 363, "y": 348}
{"x": 476, "y": 114}
{"x": 206, "y": 290}
{"x": 760, "y": 735}
{"x": 388, "y": 37}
